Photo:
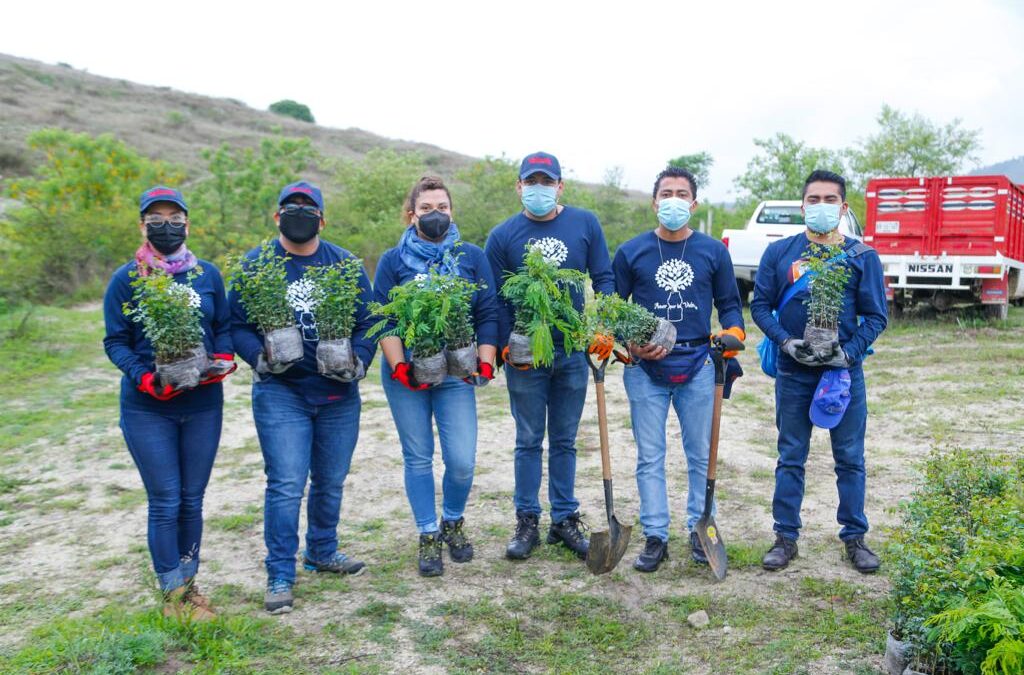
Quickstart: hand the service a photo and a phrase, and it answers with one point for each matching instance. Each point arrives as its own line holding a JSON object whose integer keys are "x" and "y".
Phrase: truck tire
{"x": 744, "y": 287}
{"x": 998, "y": 312}
{"x": 895, "y": 310}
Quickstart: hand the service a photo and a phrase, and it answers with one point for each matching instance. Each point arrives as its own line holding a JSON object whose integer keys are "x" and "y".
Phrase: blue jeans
{"x": 694, "y": 404}
{"x": 302, "y": 441}
{"x": 174, "y": 454}
{"x": 452, "y": 405}
{"x": 553, "y": 395}
{"x": 794, "y": 389}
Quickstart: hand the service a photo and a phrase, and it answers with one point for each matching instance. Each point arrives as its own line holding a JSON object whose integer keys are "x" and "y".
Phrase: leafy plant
{"x": 826, "y": 289}
{"x": 424, "y": 311}
{"x": 262, "y": 285}
{"x": 986, "y": 634}
{"x": 541, "y": 294}
{"x": 169, "y": 312}
{"x": 626, "y": 320}
{"x": 294, "y": 109}
{"x": 460, "y": 331}
{"x": 336, "y": 292}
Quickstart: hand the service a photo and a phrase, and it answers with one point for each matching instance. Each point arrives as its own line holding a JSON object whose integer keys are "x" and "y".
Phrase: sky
{"x": 626, "y": 84}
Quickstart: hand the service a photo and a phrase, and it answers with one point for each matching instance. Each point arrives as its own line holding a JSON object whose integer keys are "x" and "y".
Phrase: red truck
{"x": 952, "y": 241}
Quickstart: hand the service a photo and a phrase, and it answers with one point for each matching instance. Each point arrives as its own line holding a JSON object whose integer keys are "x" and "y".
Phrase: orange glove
{"x": 507, "y": 362}
{"x": 736, "y": 332}
{"x": 602, "y": 346}
{"x": 622, "y": 357}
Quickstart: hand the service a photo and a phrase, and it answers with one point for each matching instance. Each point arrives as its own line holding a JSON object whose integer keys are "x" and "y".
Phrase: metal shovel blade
{"x": 714, "y": 547}
{"x": 607, "y": 548}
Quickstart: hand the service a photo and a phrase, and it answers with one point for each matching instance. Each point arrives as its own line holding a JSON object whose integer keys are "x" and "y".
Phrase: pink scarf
{"x": 147, "y": 258}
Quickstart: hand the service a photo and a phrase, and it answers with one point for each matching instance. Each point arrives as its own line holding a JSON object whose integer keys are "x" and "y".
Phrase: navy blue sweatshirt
{"x": 129, "y": 350}
{"x": 574, "y": 239}
{"x": 679, "y": 281}
{"x": 303, "y": 376}
{"x": 865, "y": 297}
{"x": 473, "y": 265}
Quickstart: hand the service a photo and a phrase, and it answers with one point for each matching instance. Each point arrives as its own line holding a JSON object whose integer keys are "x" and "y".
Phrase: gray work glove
{"x": 837, "y": 358}
{"x": 264, "y": 367}
{"x": 800, "y": 351}
{"x": 354, "y": 375}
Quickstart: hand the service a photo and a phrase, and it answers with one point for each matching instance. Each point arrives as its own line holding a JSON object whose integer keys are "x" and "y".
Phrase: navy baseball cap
{"x": 541, "y": 162}
{"x": 302, "y": 188}
{"x": 159, "y": 193}
{"x": 831, "y": 398}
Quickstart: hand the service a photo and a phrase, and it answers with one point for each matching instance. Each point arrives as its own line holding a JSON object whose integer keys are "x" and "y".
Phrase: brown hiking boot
{"x": 194, "y": 597}
{"x": 177, "y": 606}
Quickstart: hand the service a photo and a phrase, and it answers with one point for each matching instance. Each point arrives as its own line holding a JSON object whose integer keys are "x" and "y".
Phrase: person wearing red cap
{"x": 172, "y": 434}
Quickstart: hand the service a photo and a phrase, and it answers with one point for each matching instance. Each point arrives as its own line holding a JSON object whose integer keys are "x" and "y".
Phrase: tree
{"x": 780, "y": 168}
{"x": 290, "y": 108}
{"x": 699, "y": 164}
{"x": 912, "y": 145}
{"x": 485, "y": 195}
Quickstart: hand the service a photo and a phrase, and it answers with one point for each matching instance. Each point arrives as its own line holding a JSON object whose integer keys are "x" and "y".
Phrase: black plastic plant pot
{"x": 820, "y": 339}
{"x": 462, "y": 361}
{"x": 430, "y": 369}
{"x": 519, "y": 351}
{"x": 283, "y": 345}
{"x": 184, "y": 373}
{"x": 335, "y": 356}
{"x": 664, "y": 335}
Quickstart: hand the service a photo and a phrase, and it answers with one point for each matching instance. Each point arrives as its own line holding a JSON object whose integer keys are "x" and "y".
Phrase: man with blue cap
{"x": 814, "y": 388}
{"x": 307, "y": 422}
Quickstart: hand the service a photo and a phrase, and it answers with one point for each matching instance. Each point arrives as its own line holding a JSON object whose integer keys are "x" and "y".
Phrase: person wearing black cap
{"x": 307, "y": 423}
{"x": 172, "y": 434}
{"x": 550, "y": 396}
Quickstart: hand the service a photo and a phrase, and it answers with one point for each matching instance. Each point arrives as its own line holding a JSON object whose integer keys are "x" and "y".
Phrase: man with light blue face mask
{"x": 679, "y": 274}
{"x": 551, "y": 397}
{"x": 861, "y": 320}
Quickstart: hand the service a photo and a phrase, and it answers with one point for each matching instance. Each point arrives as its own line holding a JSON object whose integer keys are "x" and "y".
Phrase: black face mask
{"x": 435, "y": 225}
{"x": 165, "y": 238}
{"x": 299, "y": 227}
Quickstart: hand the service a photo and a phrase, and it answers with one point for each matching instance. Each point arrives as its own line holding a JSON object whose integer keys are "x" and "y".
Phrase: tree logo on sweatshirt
{"x": 674, "y": 276}
{"x": 303, "y": 297}
{"x": 554, "y": 250}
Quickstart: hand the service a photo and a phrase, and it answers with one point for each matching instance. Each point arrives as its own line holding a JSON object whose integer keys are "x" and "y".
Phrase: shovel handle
{"x": 602, "y": 424}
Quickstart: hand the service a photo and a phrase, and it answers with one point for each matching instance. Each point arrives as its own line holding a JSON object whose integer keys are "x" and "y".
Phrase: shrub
{"x": 826, "y": 289}
{"x": 169, "y": 312}
{"x": 294, "y": 109}
{"x": 336, "y": 295}
{"x": 627, "y": 321}
{"x": 262, "y": 286}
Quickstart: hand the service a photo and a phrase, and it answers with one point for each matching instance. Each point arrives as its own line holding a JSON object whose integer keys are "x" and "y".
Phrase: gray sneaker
{"x": 339, "y": 563}
{"x": 278, "y": 598}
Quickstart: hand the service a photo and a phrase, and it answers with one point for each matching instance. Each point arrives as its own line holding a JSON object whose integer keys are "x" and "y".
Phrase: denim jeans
{"x": 794, "y": 389}
{"x": 174, "y": 454}
{"x": 452, "y": 405}
{"x": 302, "y": 441}
{"x": 694, "y": 404}
{"x": 553, "y": 395}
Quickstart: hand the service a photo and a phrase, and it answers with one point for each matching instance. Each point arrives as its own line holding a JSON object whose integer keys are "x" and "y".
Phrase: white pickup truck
{"x": 772, "y": 220}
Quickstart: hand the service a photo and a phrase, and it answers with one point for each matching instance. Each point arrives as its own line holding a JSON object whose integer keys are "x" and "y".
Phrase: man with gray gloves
{"x": 800, "y": 370}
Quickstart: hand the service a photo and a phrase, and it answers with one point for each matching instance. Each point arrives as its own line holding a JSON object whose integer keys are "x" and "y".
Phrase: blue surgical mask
{"x": 673, "y": 213}
{"x": 821, "y": 217}
{"x": 540, "y": 200}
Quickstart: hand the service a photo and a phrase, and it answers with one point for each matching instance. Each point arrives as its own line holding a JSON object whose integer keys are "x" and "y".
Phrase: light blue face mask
{"x": 821, "y": 217}
{"x": 540, "y": 200}
{"x": 673, "y": 213}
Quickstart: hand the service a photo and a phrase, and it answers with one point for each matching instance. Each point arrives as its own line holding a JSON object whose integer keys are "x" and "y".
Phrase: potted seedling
{"x": 629, "y": 322}
{"x": 824, "y": 300}
{"x": 170, "y": 315}
{"x": 460, "y": 344}
{"x": 262, "y": 285}
{"x": 541, "y": 295}
{"x": 335, "y": 295}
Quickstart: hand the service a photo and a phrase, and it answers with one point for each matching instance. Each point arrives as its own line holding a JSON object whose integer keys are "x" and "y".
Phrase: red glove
{"x": 505, "y": 360}
{"x": 151, "y": 385}
{"x": 484, "y": 374}
{"x": 404, "y": 375}
{"x": 222, "y": 366}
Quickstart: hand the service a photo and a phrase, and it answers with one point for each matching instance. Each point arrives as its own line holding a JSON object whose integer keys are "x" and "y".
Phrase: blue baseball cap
{"x": 831, "y": 398}
{"x": 540, "y": 162}
{"x": 302, "y": 188}
{"x": 160, "y": 193}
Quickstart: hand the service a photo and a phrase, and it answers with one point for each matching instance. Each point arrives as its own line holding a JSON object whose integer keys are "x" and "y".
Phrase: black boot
{"x": 655, "y": 551}
{"x": 697, "y": 550}
{"x": 526, "y": 537}
{"x": 863, "y": 558}
{"x": 459, "y": 547}
{"x": 431, "y": 564}
{"x": 570, "y": 533}
{"x": 779, "y": 555}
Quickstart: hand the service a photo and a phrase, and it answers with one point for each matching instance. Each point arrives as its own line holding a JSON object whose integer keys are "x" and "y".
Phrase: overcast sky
{"x": 627, "y": 83}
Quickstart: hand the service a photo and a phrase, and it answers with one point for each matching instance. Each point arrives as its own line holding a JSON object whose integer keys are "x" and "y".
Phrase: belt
{"x": 696, "y": 342}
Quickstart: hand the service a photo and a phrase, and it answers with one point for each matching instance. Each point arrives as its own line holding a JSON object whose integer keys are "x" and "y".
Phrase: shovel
{"x": 606, "y": 548}
{"x": 706, "y": 528}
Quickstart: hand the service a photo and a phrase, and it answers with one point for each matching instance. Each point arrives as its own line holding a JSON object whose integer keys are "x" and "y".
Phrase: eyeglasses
{"x": 295, "y": 209}
{"x": 160, "y": 223}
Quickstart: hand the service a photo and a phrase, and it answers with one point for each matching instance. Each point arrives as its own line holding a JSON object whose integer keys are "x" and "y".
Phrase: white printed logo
{"x": 554, "y": 250}
{"x": 674, "y": 276}
{"x": 303, "y": 297}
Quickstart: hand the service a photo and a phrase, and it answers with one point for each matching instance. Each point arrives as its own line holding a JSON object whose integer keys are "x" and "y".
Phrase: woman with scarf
{"x": 171, "y": 434}
{"x": 431, "y": 241}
